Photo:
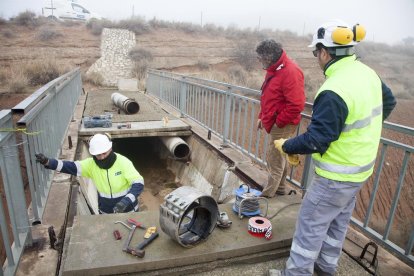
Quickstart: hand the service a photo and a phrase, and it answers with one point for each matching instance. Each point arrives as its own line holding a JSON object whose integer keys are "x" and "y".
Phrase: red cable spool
{"x": 260, "y": 227}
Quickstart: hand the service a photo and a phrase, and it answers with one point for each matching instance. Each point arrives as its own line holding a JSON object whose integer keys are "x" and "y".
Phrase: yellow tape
{"x": 24, "y": 130}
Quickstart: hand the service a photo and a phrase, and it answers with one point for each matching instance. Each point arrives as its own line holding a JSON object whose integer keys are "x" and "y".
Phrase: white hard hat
{"x": 337, "y": 33}
{"x": 99, "y": 144}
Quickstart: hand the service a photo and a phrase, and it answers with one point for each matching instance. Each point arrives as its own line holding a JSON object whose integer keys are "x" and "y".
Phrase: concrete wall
{"x": 206, "y": 171}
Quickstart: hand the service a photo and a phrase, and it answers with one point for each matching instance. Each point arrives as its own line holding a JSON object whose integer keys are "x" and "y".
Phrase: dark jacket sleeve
{"x": 328, "y": 119}
{"x": 388, "y": 101}
{"x": 68, "y": 167}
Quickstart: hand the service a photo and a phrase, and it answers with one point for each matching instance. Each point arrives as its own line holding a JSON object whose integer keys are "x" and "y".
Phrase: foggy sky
{"x": 387, "y": 21}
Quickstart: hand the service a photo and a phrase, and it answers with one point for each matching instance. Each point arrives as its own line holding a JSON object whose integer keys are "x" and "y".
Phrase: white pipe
{"x": 177, "y": 146}
{"x": 130, "y": 106}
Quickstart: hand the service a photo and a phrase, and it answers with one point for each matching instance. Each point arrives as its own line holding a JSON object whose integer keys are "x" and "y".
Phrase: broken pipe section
{"x": 177, "y": 146}
{"x": 129, "y": 106}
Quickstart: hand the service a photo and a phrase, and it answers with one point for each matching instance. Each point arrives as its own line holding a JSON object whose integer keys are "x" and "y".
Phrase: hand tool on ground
{"x": 117, "y": 235}
{"x": 128, "y": 125}
{"x": 139, "y": 250}
{"x": 123, "y": 223}
{"x": 128, "y": 240}
{"x": 150, "y": 230}
{"x": 136, "y": 223}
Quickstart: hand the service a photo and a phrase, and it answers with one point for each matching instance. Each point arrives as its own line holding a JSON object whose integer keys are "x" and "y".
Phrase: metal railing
{"x": 42, "y": 121}
{"x": 230, "y": 112}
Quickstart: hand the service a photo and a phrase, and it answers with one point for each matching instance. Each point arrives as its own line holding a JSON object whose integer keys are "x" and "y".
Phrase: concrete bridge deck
{"x": 90, "y": 249}
{"x": 151, "y": 120}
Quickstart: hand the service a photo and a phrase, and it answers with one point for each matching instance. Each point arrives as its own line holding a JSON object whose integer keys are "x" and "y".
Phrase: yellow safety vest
{"x": 352, "y": 157}
{"x": 114, "y": 182}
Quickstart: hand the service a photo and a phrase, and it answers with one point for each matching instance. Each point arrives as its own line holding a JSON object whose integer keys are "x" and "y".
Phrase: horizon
{"x": 390, "y": 23}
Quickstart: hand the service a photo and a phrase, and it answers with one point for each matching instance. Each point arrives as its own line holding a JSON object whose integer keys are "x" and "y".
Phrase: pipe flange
{"x": 188, "y": 216}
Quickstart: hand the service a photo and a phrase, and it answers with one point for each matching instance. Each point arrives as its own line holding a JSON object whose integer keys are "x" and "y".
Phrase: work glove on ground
{"x": 293, "y": 159}
{"x": 42, "y": 159}
{"x": 122, "y": 205}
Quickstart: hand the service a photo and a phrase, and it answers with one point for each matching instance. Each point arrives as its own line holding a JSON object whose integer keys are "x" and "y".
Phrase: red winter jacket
{"x": 283, "y": 94}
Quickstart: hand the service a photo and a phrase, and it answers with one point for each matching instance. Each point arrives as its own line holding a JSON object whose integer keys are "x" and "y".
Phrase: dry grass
{"x": 93, "y": 78}
{"x": 142, "y": 59}
{"x": 18, "y": 81}
{"x": 46, "y": 34}
{"x": 40, "y": 72}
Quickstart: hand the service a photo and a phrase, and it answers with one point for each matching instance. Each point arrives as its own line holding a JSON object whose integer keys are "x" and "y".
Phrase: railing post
{"x": 308, "y": 173}
{"x": 183, "y": 96}
{"x": 226, "y": 118}
{"x": 161, "y": 87}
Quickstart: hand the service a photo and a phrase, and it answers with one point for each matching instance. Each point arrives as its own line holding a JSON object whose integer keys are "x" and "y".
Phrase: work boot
{"x": 274, "y": 272}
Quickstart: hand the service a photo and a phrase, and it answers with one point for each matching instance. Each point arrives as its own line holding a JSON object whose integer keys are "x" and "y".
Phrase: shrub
{"x": 42, "y": 71}
{"x": 138, "y": 25}
{"x": 245, "y": 54}
{"x": 188, "y": 28}
{"x": 46, "y": 34}
{"x": 96, "y": 25}
{"x": 156, "y": 23}
{"x": 140, "y": 68}
{"x": 3, "y": 21}
{"x": 142, "y": 59}
{"x": 26, "y": 18}
{"x": 93, "y": 78}
{"x": 137, "y": 54}
{"x": 238, "y": 75}
{"x": 7, "y": 33}
{"x": 203, "y": 65}
{"x": 18, "y": 82}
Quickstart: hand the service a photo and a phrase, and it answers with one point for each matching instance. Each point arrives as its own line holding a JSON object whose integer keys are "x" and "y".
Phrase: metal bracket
{"x": 372, "y": 265}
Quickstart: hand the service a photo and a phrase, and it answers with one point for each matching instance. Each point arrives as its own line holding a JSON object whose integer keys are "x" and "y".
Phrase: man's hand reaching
{"x": 42, "y": 159}
{"x": 293, "y": 159}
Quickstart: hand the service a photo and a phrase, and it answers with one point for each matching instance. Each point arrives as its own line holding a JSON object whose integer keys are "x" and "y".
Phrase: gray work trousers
{"x": 321, "y": 226}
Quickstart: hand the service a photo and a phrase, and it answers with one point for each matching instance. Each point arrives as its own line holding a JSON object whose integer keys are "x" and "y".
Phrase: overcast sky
{"x": 386, "y": 21}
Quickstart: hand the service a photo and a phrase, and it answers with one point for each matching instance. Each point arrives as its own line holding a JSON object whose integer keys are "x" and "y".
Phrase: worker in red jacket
{"x": 281, "y": 102}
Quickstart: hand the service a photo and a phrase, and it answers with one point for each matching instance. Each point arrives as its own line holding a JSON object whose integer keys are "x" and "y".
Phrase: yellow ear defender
{"x": 342, "y": 35}
{"x": 359, "y": 32}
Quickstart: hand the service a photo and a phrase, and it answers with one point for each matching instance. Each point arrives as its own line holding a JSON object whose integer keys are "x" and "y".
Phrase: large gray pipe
{"x": 129, "y": 106}
{"x": 177, "y": 146}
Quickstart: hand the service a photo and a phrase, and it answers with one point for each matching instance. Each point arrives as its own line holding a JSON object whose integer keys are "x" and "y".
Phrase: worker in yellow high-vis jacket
{"x": 118, "y": 182}
{"x": 343, "y": 138}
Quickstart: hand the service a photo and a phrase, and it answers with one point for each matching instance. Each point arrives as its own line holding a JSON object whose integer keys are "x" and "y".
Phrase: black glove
{"x": 120, "y": 207}
{"x": 42, "y": 159}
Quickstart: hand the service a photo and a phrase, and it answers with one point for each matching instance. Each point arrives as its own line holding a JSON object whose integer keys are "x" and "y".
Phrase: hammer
{"x": 139, "y": 250}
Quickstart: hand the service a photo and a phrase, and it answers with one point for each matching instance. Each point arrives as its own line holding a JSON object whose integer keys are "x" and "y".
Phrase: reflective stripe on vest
{"x": 363, "y": 122}
{"x": 343, "y": 169}
{"x": 352, "y": 156}
{"x": 115, "y": 195}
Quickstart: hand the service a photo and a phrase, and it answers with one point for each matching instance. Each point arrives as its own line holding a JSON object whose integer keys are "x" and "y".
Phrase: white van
{"x": 67, "y": 9}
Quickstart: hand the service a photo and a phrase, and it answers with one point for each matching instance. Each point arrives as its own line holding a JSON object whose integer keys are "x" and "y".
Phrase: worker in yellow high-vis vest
{"x": 343, "y": 138}
{"x": 117, "y": 181}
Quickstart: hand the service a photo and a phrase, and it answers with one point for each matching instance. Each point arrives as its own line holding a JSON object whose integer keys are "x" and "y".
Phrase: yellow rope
{"x": 24, "y": 130}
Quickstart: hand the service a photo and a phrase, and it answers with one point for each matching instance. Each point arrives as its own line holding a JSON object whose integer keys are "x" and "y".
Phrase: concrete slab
{"x": 94, "y": 251}
{"x": 139, "y": 129}
{"x": 151, "y": 120}
{"x": 99, "y": 102}
{"x": 128, "y": 85}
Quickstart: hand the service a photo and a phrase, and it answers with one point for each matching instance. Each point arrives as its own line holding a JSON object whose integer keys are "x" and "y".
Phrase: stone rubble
{"x": 114, "y": 63}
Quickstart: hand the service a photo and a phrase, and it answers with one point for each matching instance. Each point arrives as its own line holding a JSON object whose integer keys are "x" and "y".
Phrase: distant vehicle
{"x": 67, "y": 10}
